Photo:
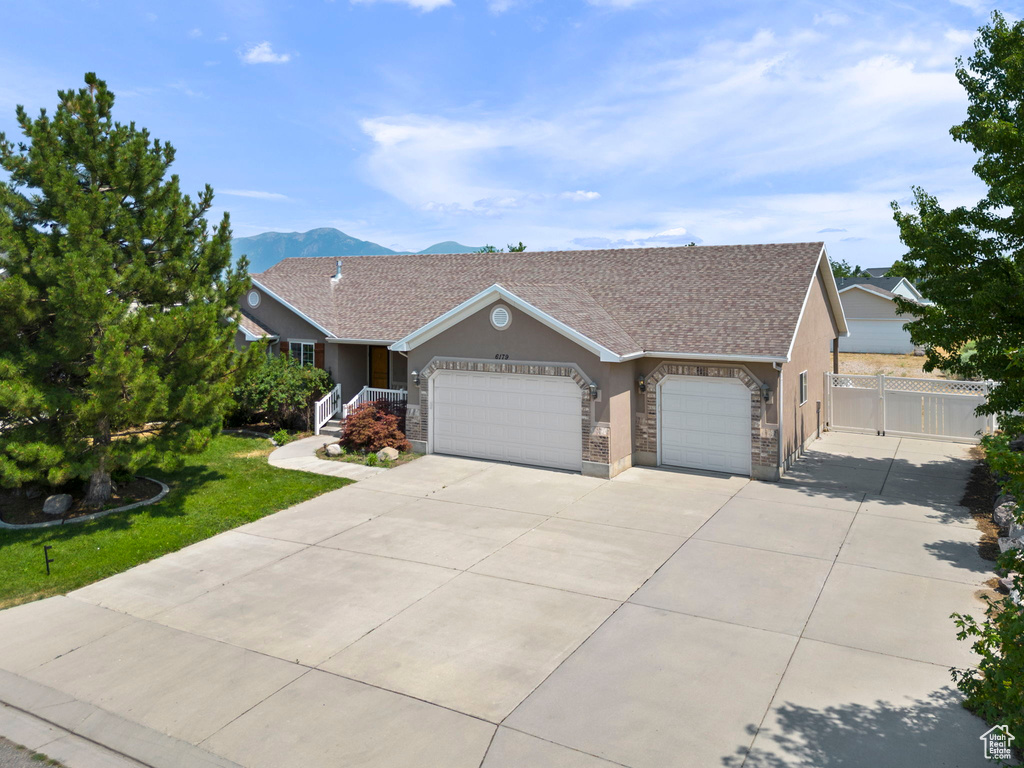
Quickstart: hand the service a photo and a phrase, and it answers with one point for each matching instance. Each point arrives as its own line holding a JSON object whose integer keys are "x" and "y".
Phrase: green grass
{"x": 225, "y": 486}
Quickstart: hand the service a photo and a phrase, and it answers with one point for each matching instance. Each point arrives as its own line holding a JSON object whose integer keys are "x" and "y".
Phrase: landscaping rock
{"x": 1005, "y": 498}
{"x": 1004, "y": 516}
{"x": 334, "y": 449}
{"x": 389, "y": 454}
{"x": 57, "y": 504}
{"x": 1006, "y": 543}
{"x": 33, "y": 492}
{"x": 1015, "y": 531}
{"x": 1017, "y": 444}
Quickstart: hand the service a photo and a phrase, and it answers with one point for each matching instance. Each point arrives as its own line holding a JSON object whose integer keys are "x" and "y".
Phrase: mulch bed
{"x": 17, "y": 509}
{"x": 979, "y": 497}
{"x": 360, "y": 458}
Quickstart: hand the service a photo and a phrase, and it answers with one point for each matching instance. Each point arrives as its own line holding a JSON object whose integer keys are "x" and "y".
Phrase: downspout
{"x": 780, "y": 412}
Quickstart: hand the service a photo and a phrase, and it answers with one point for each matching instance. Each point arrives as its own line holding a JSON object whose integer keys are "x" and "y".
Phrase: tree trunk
{"x": 100, "y": 488}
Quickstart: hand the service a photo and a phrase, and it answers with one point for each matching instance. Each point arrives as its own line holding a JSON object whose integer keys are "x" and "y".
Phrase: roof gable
{"x": 495, "y": 293}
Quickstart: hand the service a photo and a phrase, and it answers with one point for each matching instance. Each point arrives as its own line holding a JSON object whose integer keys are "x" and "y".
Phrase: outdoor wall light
{"x": 416, "y": 378}
{"x": 766, "y": 392}
{"x": 593, "y": 391}
{"x": 641, "y": 384}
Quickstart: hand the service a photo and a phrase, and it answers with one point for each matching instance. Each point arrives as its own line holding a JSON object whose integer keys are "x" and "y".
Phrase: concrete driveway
{"x": 457, "y": 613}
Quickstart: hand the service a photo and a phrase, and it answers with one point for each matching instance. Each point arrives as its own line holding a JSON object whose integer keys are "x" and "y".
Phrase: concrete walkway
{"x": 301, "y": 455}
{"x": 465, "y": 614}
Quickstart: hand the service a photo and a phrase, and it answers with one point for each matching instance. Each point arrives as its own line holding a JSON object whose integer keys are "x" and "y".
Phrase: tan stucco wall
{"x": 861, "y": 304}
{"x": 281, "y": 320}
{"x": 811, "y": 353}
{"x": 524, "y": 340}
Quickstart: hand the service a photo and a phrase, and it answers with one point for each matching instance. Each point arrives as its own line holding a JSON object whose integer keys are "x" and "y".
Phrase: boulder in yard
{"x": 1006, "y": 544}
{"x": 1004, "y": 516}
{"x": 1015, "y": 530}
{"x": 334, "y": 449}
{"x": 389, "y": 454}
{"x": 57, "y": 504}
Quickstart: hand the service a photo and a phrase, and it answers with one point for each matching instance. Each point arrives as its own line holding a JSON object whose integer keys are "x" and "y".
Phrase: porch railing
{"x": 326, "y": 407}
{"x": 372, "y": 394}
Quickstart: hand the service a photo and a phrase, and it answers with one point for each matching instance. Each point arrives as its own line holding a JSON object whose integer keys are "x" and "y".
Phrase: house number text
{"x": 501, "y": 356}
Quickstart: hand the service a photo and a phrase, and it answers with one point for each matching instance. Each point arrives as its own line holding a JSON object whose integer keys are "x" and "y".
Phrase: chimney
{"x": 337, "y": 274}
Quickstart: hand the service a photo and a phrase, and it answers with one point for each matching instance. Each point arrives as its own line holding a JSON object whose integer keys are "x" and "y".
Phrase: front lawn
{"x": 225, "y": 486}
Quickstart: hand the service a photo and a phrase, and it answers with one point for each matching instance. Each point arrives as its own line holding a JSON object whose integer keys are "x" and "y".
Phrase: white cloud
{"x": 182, "y": 87}
{"x": 733, "y": 111}
{"x": 263, "y": 53}
{"x": 195, "y": 33}
{"x": 580, "y": 195}
{"x": 831, "y": 18}
{"x": 419, "y": 5}
{"x": 616, "y": 3}
{"x": 253, "y": 193}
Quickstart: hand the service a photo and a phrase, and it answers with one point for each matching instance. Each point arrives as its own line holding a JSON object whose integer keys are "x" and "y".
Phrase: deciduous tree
{"x": 970, "y": 260}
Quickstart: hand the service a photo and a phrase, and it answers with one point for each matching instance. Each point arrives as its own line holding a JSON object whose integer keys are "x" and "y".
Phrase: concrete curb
{"x": 164, "y": 490}
{"x": 109, "y": 732}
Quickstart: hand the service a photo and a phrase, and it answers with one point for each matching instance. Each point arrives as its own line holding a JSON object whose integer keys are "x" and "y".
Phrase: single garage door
{"x": 705, "y": 424}
{"x": 507, "y": 417}
{"x": 886, "y": 336}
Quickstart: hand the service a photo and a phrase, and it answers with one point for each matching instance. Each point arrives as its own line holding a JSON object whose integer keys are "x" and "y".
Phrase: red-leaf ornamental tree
{"x": 373, "y": 426}
{"x": 118, "y": 309}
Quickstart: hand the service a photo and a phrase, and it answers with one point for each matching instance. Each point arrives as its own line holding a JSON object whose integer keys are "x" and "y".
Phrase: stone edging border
{"x": 164, "y": 490}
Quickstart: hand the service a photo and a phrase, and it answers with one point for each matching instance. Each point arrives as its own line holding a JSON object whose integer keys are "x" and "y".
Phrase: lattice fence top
{"x": 935, "y": 386}
{"x": 854, "y": 381}
{"x": 902, "y": 384}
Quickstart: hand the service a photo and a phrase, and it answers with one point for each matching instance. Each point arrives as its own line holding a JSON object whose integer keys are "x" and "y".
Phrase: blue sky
{"x": 580, "y": 123}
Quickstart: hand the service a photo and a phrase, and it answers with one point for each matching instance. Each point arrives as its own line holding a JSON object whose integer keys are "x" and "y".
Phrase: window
{"x": 803, "y": 387}
{"x": 302, "y": 351}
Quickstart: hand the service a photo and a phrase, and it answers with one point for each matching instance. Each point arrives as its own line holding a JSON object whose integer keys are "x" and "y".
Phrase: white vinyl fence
{"x": 894, "y": 405}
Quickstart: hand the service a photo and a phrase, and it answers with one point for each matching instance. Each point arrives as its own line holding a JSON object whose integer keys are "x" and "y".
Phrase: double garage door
{"x": 705, "y": 424}
{"x": 508, "y": 417}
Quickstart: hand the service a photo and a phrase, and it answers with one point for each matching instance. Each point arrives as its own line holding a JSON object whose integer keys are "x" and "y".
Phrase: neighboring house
{"x": 870, "y": 307}
{"x": 708, "y": 357}
{"x": 878, "y": 271}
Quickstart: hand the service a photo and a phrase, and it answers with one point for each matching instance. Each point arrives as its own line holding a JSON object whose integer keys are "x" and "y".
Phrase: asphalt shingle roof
{"x": 708, "y": 300}
{"x": 252, "y": 326}
{"x": 885, "y": 283}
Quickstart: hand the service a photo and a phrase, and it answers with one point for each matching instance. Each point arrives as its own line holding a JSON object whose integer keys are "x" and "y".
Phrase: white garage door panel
{"x": 507, "y": 417}
{"x": 705, "y": 424}
{"x": 885, "y": 336}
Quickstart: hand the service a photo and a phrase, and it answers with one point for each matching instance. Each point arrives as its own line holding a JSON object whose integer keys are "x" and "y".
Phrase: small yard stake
{"x": 46, "y": 556}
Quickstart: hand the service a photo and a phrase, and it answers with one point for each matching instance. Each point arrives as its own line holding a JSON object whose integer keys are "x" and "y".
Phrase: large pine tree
{"x": 119, "y": 307}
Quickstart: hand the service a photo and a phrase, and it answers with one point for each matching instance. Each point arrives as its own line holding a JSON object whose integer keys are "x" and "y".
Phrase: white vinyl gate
{"x": 894, "y": 405}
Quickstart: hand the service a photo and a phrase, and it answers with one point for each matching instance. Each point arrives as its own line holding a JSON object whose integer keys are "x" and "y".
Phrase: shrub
{"x": 371, "y": 460}
{"x": 281, "y": 437}
{"x": 995, "y": 689}
{"x": 280, "y": 392}
{"x": 373, "y": 426}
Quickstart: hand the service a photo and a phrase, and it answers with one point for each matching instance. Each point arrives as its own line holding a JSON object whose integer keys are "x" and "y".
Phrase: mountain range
{"x": 266, "y": 249}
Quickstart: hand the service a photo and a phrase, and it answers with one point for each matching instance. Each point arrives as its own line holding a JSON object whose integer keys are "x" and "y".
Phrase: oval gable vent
{"x": 500, "y": 318}
{"x": 254, "y": 299}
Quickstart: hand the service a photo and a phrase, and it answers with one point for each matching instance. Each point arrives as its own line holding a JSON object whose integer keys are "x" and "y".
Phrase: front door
{"x": 379, "y": 367}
